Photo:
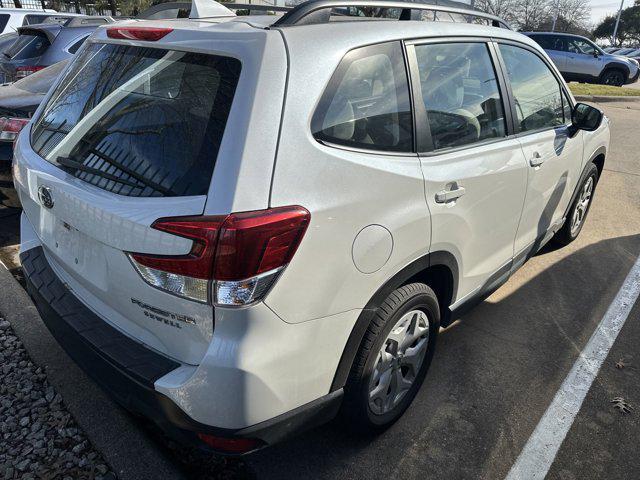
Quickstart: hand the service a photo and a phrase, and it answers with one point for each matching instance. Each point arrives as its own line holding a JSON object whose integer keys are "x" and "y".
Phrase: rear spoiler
{"x": 48, "y": 33}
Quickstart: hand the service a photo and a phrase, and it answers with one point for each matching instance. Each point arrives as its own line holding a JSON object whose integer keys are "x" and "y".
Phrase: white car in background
{"x": 12, "y": 18}
{"x": 243, "y": 226}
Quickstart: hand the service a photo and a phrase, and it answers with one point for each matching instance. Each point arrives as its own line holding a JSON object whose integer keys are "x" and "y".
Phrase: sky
{"x": 601, "y": 8}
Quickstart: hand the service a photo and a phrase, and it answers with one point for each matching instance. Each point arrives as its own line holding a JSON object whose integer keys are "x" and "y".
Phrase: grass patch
{"x": 589, "y": 89}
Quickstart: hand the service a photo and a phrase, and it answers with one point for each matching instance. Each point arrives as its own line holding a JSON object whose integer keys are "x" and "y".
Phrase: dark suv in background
{"x": 581, "y": 60}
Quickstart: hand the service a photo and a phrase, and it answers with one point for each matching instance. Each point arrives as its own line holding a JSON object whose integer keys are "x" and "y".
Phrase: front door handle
{"x": 536, "y": 160}
{"x": 444, "y": 196}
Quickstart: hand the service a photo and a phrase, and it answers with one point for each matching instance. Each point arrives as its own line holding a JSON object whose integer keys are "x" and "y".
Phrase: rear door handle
{"x": 536, "y": 160}
{"x": 444, "y": 196}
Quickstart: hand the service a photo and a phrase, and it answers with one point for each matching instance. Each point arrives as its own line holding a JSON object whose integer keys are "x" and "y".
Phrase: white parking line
{"x": 542, "y": 447}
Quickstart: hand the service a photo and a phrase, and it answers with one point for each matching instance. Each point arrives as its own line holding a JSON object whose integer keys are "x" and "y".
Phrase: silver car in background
{"x": 581, "y": 60}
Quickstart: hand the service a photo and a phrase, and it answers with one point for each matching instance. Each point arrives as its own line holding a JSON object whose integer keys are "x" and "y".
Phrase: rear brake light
{"x": 22, "y": 72}
{"x": 237, "y": 258}
{"x": 150, "y": 34}
{"x": 10, "y": 128}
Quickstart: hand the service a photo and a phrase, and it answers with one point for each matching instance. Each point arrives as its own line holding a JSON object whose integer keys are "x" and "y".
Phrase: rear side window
{"x": 460, "y": 93}
{"x": 536, "y": 92}
{"x": 76, "y": 45}
{"x": 4, "y": 18}
{"x": 366, "y": 104}
{"x": 27, "y": 46}
{"x": 550, "y": 42}
{"x": 137, "y": 121}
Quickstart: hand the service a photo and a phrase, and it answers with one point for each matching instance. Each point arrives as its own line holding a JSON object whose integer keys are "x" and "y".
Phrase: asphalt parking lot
{"x": 496, "y": 370}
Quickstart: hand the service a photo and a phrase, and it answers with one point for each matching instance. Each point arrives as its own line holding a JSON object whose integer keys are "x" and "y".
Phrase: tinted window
{"x": 139, "y": 121}
{"x": 4, "y": 18}
{"x": 366, "y": 104}
{"x": 27, "y": 46}
{"x": 549, "y": 42}
{"x": 460, "y": 93}
{"x": 34, "y": 18}
{"x": 536, "y": 91}
{"x": 74, "y": 48}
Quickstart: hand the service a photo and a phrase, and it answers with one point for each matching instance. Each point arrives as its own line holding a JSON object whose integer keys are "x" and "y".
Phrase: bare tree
{"x": 574, "y": 13}
{"x": 529, "y": 14}
{"x": 501, "y": 8}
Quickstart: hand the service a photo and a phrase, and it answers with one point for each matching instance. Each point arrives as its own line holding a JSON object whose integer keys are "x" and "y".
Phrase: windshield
{"x": 27, "y": 46}
{"x": 139, "y": 121}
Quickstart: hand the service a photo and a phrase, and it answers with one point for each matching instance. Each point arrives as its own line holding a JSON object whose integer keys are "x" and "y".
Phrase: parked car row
{"x": 581, "y": 60}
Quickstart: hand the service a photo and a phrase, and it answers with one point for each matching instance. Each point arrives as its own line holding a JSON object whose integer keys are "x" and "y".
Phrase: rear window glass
{"x": 137, "y": 121}
{"x": 27, "y": 46}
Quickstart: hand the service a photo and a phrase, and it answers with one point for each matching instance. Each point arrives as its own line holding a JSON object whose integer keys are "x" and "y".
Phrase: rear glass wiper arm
{"x": 70, "y": 163}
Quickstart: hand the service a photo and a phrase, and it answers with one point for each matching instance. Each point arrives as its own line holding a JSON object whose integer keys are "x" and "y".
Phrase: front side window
{"x": 366, "y": 104}
{"x": 576, "y": 45}
{"x": 536, "y": 92}
{"x": 137, "y": 121}
{"x": 460, "y": 93}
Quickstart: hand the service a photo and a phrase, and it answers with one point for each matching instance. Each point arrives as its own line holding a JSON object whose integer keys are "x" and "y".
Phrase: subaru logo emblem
{"x": 44, "y": 194}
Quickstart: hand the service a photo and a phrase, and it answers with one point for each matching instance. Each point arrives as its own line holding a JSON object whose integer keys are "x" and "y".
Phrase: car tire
{"x": 392, "y": 361}
{"x": 579, "y": 208}
{"x": 614, "y": 77}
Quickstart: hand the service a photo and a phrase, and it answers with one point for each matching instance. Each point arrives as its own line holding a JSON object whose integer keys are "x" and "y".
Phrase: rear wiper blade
{"x": 70, "y": 163}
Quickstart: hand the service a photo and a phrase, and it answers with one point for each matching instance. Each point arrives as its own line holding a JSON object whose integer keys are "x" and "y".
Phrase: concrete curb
{"x": 607, "y": 98}
{"x": 127, "y": 449}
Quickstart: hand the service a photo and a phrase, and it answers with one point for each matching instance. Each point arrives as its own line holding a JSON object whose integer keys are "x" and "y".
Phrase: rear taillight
{"x": 150, "y": 34}
{"x": 10, "y": 128}
{"x": 234, "y": 259}
{"x": 22, "y": 72}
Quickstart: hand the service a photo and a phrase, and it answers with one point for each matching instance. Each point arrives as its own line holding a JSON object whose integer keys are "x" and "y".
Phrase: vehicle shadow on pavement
{"x": 494, "y": 373}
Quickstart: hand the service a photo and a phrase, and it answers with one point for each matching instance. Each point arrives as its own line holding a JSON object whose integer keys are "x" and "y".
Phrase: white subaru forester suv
{"x": 243, "y": 226}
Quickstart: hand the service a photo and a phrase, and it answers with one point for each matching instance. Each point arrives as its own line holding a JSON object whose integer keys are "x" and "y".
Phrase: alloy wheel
{"x": 580, "y": 210}
{"x": 399, "y": 361}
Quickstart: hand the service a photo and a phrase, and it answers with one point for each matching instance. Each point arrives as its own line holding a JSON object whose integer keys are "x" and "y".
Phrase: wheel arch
{"x": 616, "y": 66}
{"x": 597, "y": 158}
{"x": 438, "y": 269}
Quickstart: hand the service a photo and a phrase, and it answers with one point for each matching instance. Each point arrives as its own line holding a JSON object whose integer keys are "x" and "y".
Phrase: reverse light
{"x": 234, "y": 259}
{"x": 10, "y": 128}
{"x": 150, "y": 34}
{"x": 22, "y": 72}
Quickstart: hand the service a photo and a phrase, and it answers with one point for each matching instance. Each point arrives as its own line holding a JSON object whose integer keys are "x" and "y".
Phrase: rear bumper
{"x": 127, "y": 370}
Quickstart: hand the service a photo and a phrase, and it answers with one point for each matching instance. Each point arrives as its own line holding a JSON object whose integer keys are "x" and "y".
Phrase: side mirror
{"x": 585, "y": 117}
{"x": 596, "y": 54}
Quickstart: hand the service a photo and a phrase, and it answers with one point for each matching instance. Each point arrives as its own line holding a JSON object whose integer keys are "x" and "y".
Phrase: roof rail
{"x": 257, "y": 7}
{"x": 318, "y": 11}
